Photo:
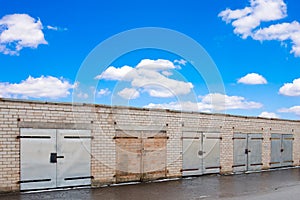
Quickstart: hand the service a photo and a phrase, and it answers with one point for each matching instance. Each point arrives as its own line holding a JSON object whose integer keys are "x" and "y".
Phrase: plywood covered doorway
{"x": 140, "y": 155}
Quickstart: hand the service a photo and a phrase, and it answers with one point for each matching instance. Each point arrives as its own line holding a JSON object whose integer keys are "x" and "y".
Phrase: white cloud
{"x": 167, "y": 73}
{"x": 156, "y": 65}
{"x": 210, "y": 103}
{"x": 291, "y": 89}
{"x": 225, "y": 102}
{"x": 82, "y": 95}
{"x": 149, "y": 76}
{"x": 129, "y": 93}
{"x": 252, "y": 79}
{"x": 158, "y": 85}
{"x": 247, "y": 19}
{"x": 181, "y": 62}
{"x": 228, "y": 15}
{"x": 182, "y": 106}
{"x": 42, "y": 87}
{"x": 269, "y": 115}
{"x": 247, "y": 22}
{"x": 56, "y": 28}
{"x": 294, "y": 109}
{"x": 282, "y": 32}
{"x": 277, "y": 31}
{"x": 18, "y": 31}
{"x": 103, "y": 92}
{"x": 115, "y": 74}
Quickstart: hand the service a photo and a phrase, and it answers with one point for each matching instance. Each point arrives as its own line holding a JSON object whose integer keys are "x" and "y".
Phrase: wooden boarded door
{"x": 154, "y": 156}
{"x": 128, "y": 156}
{"x": 140, "y": 155}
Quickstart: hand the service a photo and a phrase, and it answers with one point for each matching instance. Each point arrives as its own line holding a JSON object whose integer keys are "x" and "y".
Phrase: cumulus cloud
{"x": 167, "y": 73}
{"x": 291, "y": 89}
{"x": 281, "y": 32}
{"x": 129, "y": 93}
{"x": 247, "y": 19}
{"x": 18, "y": 31}
{"x": 252, "y": 79}
{"x": 42, "y": 87}
{"x": 103, "y": 92}
{"x": 181, "y": 61}
{"x": 248, "y": 22}
{"x": 150, "y": 76}
{"x": 224, "y": 102}
{"x": 294, "y": 110}
{"x": 210, "y": 103}
{"x": 269, "y": 115}
{"x": 184, "y": 106}
{"x": 155, "y": 65}
{"x": 228, "y": 15}
{"x": 115, "y": 74}
{"x": 82, "y": 95}
{"x": 55, "y": 28}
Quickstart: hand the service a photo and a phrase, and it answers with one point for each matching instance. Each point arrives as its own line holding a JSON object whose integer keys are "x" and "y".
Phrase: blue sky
{"x": 255, "y": 45}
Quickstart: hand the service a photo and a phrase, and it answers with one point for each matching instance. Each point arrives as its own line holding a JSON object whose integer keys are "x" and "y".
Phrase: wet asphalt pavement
{"x": 282, "y": 184}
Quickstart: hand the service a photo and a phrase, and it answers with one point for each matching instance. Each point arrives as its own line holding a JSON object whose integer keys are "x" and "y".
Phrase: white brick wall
{"x": 102, "y": 121}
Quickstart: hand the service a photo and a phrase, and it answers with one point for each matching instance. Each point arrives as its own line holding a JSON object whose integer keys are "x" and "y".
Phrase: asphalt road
{"x": 283, "y": 184}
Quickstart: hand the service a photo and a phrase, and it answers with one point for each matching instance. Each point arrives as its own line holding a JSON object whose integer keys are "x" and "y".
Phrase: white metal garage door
{"x": 281, "y": 150}
{"x": 54, "y": 158}
{"x": 247, "y": 152}
{"x": 201, "y": 153}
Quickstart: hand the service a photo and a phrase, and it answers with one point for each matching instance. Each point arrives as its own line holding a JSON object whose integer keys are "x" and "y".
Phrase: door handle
{"x": 53, "y": 157}
{"x": 60, "y": 157}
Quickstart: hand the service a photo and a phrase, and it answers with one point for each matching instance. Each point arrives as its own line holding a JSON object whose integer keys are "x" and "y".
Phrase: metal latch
{"x": 200, "y": 153}
{"x": 247, "y": 151}
{"x": 53, "y": 157}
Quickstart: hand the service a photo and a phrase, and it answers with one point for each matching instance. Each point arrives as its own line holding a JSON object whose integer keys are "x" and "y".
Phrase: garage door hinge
{"x": 239, "y": 138}
{"x": 158, "y": 137}
{"x": 125, "y": 137}
{"x": 238, "y": 165}
{"x": 34, "y": 181}
{"x": 214, "y": 138}
{"x": 33, "y": 137}
{"x": 78, "y": 178}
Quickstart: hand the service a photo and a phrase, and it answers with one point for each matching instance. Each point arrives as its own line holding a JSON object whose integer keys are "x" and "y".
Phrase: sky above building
{"x": 249, "y": 63}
